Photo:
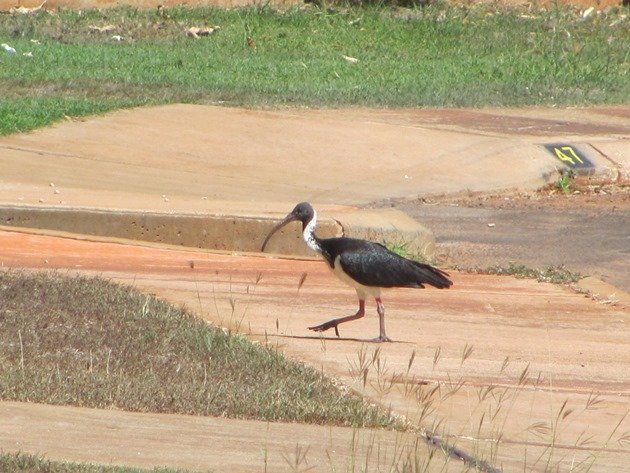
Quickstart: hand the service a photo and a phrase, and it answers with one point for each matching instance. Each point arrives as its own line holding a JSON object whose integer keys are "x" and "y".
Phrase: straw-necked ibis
{"x": 364, "y": 265}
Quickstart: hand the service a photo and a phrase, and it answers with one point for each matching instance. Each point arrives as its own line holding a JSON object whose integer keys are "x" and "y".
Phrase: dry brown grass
{"x": 90, "y": 342}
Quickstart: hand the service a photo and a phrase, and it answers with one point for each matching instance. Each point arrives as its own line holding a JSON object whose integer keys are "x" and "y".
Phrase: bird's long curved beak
{"x": 288, "y": 219}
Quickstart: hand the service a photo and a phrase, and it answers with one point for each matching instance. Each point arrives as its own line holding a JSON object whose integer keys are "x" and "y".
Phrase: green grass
{"x": 89, "y": 342}
{"x": 564, "y": 182}
{"x": 446, "y": 56}
{"x": 25, "y": 463}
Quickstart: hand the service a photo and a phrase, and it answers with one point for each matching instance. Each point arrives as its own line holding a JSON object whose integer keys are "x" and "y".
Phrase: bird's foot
{"x": 325, "y": 326}
{"x": 381, "y": 339}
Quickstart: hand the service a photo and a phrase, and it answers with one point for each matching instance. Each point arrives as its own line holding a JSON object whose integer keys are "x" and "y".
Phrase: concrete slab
{"x": 486, "y": 365}
{"x": 205, "y": 443}
{"x": 176, "y": 155}
{"x": 234, "y": 165}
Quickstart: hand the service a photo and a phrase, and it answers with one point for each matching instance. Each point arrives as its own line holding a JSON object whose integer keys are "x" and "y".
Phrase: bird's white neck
{"x": 309, "y": 234}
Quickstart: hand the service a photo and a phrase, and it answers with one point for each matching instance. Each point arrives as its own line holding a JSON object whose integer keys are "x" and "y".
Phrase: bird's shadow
{"x": 336, "y": 339}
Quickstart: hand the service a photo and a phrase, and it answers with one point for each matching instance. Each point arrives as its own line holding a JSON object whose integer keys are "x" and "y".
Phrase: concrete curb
{"x": 226, "y": 233}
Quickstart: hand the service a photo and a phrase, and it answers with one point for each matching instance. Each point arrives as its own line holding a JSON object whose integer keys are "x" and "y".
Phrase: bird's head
{"x": 302, "y": 212}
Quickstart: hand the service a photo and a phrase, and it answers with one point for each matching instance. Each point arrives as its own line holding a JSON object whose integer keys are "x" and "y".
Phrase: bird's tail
{"x": 433, "y": 276}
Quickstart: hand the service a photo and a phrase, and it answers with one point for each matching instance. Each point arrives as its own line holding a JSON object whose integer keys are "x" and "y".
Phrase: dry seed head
{"x": 436, "y": 356}
{"x": 411, "y": 358}
{"x": 302, "y": 279}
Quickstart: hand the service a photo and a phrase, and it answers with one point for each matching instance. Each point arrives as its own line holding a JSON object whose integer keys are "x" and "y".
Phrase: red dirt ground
{"x": 571, "y": 345}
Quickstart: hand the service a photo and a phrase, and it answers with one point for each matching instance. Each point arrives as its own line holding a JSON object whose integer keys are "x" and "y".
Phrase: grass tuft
{"x": 552, "y": 274}
{"x": 564, "y": 182}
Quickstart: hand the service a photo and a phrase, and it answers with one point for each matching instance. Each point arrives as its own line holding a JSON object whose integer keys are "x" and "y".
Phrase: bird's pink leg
{"x": 334, "y": 322}
{"x": 380, "y": 308}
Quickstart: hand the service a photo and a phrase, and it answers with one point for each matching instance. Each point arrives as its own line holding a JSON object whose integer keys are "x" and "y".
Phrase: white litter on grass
{"x": 195, "y": 32}
{"x": 8, "y": 48}
{"x": 28, "y": 54}
{"x": 350, "y": 60}
{"x": 588, "y": 12}
{"x": 118, "y": 38}
{"x": 618, "y": 20}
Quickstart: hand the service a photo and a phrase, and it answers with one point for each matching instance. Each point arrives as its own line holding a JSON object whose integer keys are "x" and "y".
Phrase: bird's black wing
{"x": 371, "y": 264}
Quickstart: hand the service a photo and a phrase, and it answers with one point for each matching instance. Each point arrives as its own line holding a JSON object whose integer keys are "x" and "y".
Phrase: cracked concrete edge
{"x": 242, "y": 234}
{"x": 610, "y": 163}
{"x": 613, "y": 163}
{"x": 603, "y": 292}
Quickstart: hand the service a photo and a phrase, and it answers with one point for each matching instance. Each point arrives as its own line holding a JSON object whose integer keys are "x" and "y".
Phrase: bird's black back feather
{"x": 372, "y": 264}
